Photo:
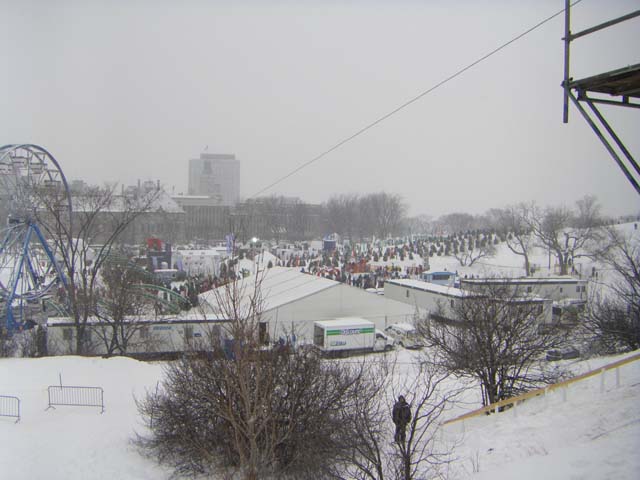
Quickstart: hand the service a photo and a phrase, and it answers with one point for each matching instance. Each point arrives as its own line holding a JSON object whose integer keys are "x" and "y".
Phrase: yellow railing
{"x": 543, "y": 390}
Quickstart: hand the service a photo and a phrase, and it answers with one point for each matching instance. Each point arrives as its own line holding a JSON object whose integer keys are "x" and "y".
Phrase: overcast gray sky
{"x": 120, "y": 91}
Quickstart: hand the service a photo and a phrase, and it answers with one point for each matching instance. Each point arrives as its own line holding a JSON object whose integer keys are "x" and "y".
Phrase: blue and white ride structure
{"x": 34, "y": 202}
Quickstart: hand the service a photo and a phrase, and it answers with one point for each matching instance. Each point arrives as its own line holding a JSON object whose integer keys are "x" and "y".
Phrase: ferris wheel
{"x": 33, "y": 191}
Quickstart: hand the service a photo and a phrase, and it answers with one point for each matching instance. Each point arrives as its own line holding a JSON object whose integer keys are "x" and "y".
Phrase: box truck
{"x": 344, "y": 336}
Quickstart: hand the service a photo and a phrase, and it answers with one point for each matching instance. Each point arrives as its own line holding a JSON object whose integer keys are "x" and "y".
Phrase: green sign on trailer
{"x": 349, "y": 335}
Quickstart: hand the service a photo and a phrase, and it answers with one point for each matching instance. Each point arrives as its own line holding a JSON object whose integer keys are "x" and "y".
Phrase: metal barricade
{"x": 10, "y": 407}
{"x": 76, "y": 396}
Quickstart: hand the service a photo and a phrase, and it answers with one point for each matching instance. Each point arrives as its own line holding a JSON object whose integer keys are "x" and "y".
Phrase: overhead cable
{"x": 409, "y": 102}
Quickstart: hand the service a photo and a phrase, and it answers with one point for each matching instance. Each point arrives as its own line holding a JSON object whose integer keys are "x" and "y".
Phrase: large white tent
{"x": 292, "y": 301}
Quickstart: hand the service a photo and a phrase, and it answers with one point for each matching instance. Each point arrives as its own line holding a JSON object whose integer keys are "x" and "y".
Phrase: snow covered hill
{"x": 592, "y": 435}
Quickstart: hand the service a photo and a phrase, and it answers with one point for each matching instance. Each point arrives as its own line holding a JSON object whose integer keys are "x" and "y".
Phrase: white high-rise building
{"x": 215, "y": 175}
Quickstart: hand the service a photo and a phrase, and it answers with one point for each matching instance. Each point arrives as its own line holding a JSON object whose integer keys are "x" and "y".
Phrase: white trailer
{"x": 349, "y": 335}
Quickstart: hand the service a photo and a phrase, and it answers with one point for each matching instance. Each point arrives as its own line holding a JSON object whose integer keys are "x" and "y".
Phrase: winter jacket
{"x": 401, "y": 413}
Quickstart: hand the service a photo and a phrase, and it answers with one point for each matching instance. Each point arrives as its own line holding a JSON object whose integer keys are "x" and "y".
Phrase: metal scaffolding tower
{"x": 619, "y": 87}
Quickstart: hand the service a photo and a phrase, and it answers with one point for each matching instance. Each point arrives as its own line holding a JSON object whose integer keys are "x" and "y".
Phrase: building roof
{"x": 345, "y": 322}
{"x": 120, "y": 203}
{"x": 427, "y": 287}
{"x": 189, "y": 254}
{"x": 522, "y": 280}
{"x": 190, "y": 197}
{"x": 452, "y": 291}
{"x": 278, "y": 286}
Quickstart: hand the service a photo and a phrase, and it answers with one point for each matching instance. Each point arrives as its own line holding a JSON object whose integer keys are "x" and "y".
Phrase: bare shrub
{"x": 234, "y": 408}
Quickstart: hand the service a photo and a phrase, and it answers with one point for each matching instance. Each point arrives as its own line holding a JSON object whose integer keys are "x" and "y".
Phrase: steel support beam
{"x": 605, "y": 142}
{"x": 621, "y": 103}
{"x": 610, "y": 23}
{"x": 567, "y": 42}
{"x": 613, "y": 135}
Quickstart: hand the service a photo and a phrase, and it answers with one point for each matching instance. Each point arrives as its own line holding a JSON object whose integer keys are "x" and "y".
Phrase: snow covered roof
{"x": 345, "y": 322}
{"x": 523, "y": 280}
{"x": 191, "y": 316}
{"x": 278, "y": 286}
{"x": 210, "y": 252}
{"x": 455, "y": 292}
{"x": 178, "y": 197}
{"x": 163, "y": 203}
{"x": 427, "y": 287}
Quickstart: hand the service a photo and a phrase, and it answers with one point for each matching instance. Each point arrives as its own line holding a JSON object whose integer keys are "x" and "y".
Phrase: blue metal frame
{"x": 31, "y": 227}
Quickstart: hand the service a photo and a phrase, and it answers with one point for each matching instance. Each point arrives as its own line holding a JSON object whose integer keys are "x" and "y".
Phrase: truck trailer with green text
{"x": 346, "y": 336}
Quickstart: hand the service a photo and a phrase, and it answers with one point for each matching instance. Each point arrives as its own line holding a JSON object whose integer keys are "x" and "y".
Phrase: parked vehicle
{"x": 563, "y": 354}
{"x": 349, "y": 336}
{"x": 405, "y": 335}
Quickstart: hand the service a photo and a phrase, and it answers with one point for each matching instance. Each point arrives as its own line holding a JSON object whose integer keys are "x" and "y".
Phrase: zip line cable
{"x": 409, "y": 102}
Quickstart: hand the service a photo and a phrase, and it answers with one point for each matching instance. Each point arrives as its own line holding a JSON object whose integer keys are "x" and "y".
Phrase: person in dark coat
{"x": 401, "y": 417}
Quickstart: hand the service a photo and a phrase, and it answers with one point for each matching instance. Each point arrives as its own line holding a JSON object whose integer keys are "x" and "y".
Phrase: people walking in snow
{"x": 401, "y": 416}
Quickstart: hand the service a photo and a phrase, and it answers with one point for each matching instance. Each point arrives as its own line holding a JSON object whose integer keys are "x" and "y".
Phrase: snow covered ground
{"x": 75, "y": 442}
{"x": 593, "y": 435}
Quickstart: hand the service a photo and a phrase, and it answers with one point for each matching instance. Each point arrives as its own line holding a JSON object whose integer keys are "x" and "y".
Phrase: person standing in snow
{"x": 401, "y": 416}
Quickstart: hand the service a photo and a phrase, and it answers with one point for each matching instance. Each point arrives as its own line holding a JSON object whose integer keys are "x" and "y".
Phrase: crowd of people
{"x": 363, "y": 266}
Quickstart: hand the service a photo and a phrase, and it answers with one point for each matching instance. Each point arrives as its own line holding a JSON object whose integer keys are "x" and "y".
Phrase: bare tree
{"x": 298, "y": 221}
{"x": 275, "y": 209}
{"x": 457, "y": 222}
{"x": 245, "y": 221}
{"x": 614, "y": 313}
{"x": 420, "y": 225}
{"x": 383, "y": 212}
{"x": 389, "y": 211}
{"x": 494, "y": 335}
{"x": 83, "y": 242}
{"x": 567, "y": 233}
{"x": 469, "y": 254}
{"x": 380, "y": 214}
{"x": 514, "y": 224}
{"x": 124, "y": 307}
{"x": 422, "y": 455}
{"x": 366, "y": 426}
{"x": 342, "y": 215}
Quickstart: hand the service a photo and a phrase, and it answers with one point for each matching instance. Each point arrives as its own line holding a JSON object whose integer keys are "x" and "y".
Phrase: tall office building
{"x": 215, "y": 175}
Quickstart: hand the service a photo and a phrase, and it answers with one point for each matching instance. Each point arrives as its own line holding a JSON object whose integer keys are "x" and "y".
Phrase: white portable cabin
{"x": 431, "y": 298}
{"x": 554, "y": 288}
{"x": 146, "y": 337}
{"x": 425, "y": 296}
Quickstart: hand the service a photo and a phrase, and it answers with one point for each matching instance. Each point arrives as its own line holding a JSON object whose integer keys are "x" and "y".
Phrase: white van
{"x": 405, "y": 335}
